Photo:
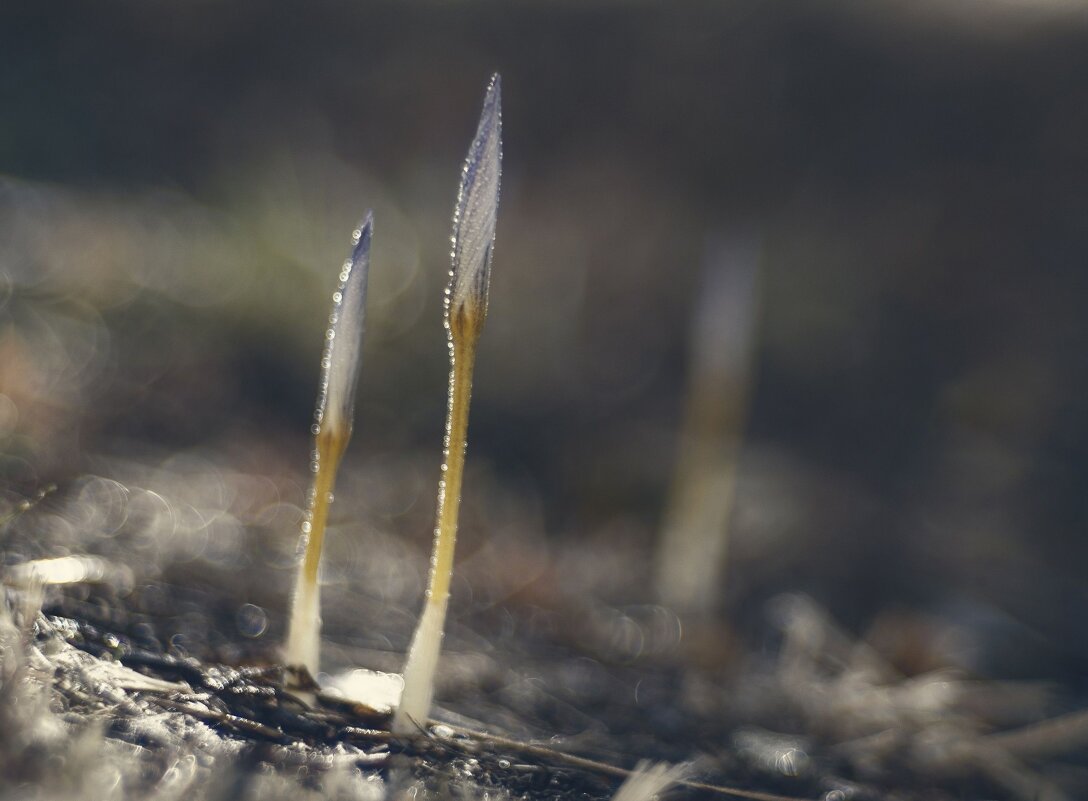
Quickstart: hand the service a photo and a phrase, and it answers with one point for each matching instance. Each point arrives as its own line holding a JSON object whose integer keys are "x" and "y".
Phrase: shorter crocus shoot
{"x": 466, "y": 307}
{"x": 332, "y": 430}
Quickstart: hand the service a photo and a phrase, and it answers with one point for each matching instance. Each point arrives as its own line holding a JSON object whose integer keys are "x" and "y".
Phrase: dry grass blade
{"x": 556, "y": 757}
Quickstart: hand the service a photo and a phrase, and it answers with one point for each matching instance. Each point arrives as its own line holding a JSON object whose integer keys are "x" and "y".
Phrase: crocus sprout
{"x": 466, "y": 307}
{"x": 692, "y": 550}
{"x": 332, "y": 430}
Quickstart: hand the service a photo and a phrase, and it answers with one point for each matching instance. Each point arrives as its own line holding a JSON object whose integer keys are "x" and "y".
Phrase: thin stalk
{"x": 463, "y": 358}
{"x": 426, "y": 646}
{"x": 304, "y": 630}
{"x": 427, "y": 641}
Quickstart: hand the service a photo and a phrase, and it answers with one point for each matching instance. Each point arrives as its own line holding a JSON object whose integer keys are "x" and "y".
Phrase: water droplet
{"x": 315, "y": 429}
{"x": 251, "y": 620}
{"x": 337, "y": 297}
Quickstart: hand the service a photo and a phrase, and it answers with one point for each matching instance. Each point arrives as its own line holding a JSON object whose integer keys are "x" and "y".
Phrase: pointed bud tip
{"x": 476, "y": 211}
{"x": 343, "y": 339}
{"x": 493, "y": 100}
{"x": 491, "y": 114}
{"x": 361, "y": 237}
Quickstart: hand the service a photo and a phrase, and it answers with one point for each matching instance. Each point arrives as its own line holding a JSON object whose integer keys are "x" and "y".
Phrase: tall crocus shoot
{"x": 466, "y": 307}
{"x": 332, "y": 430}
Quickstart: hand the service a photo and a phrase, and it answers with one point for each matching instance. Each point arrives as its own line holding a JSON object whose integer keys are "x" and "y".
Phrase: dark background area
{"x": 180, "y": 182}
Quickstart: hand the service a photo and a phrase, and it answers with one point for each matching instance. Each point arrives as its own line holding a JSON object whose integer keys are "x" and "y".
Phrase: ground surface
{"x": 548, "y": 699}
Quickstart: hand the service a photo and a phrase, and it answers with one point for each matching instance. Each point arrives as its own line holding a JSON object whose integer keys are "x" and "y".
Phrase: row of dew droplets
{"x": 323, "y": 389}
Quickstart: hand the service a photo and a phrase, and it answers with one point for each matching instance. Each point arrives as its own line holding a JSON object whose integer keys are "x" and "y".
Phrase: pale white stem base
{"x": 304, "y": 640}
{"x": 415, "y": 701}
{"x": 691, "y": 555}
{"x": 647, "y": 781}
{"x": 376, "y": 691}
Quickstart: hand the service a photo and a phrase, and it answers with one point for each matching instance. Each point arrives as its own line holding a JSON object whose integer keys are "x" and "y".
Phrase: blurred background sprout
{"x": 691, "y": 556}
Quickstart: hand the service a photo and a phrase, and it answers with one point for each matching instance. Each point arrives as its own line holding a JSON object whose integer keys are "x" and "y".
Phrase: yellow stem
{"x": 303, "y": 634}
{"x": 463, "y": 357}
{"x": 330, "y": 448}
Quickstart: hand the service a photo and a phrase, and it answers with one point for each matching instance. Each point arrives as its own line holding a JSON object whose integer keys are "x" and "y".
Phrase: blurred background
{"x": 894, "y": 192}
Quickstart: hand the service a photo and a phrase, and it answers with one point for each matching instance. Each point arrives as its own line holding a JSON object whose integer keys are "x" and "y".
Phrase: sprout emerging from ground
{"x": 692, "y": 551}
{"x": 332, "y": 430}
{"x": 466, "y": 307}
